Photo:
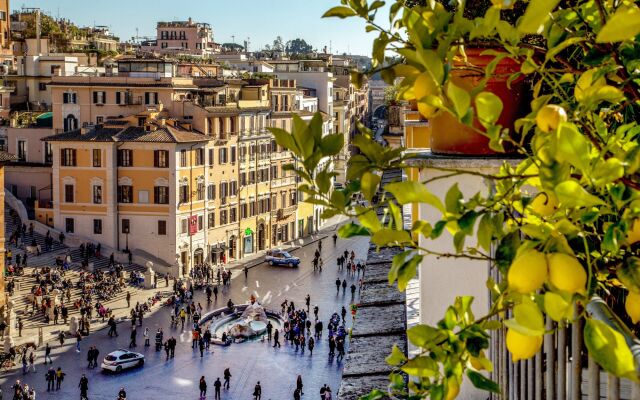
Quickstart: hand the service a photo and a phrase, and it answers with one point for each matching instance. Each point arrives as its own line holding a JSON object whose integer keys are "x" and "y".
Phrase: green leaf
{"x": 485, "y": 232}
{"x": 608, "y": 348}
{"x": 304, "y": 140}
{"x": 572, "y": 146}
{"x": 340, "y": 12}
{"x": 369, "y": 219}
{"x": 396, "y": 357}
{"x": 351, "y": 230}
{"x": 403, "y": 268}
{"x": 623, "y": 25}
{"x": 423, "y": 335}
{"x": 421, "y": 367}
{"x": 413, "y": 192}
{"x": 284, "y": 139}
{"x": 467, "y": 222}
{"x": 608, "y": 171}
{"x": 452, "y": 199}
{"x": 369, "y": 184}
{"x": 488, "y": 108}
{"x": 390, "y": 237}
{"x": 629, "y": 274}
{"x": 374, "y": 395}
{"x": 323, "y": 180}
{"x": 557, "y": 307}
{"x": 460, "y": 99}
{"x": 483, "y": 383}
{"x": 332, "y": 144}
{"x": 536, "y": 15}
{"x": 528, "y": 315}
{"x": 572, "y": 194}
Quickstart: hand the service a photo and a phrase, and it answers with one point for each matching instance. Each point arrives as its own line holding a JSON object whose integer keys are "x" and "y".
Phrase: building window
{"x": 99, "y": 97}
{"x": 143, "y": 196}
{"x": 233, "y": 186}
{"x": 126, "y": 225}
{"x": 293, "y": 198}
{"x": 68, "y": 157}
{"x": 121, "y": 98}
{"x": 211, "y": 220}
{"x": 99, "y": 120}
{"x": 162, "y": 228}
{"x": 125, "y": 194}
{"x": 184, "y": 193}
{"x": 125, "y": 158}
{"x": 68, "y": 193}
{"x": 97, "y": 194}
{"x": 97, "y": 227}
{"x": 161, "y": 158}
{"x": 69, "y": 98}
{"x": 223, "y": 217}
{"x": 42, "y": 86}
{"x": 233, "y": 155}
{"x": 70, "y": 123}
{"x": 211, "y": 191}
{"x": 200, "y": 191}
{"x": 233, "y": 215}
{"x": 48, "y": 153}
{"x": 211, "y": 152}
{"x": 69, "y": 225}
{"x": 97, "y": 158}
{"x": 224, "y": 191}
{"x": 183, "y": 158}
{"x": 199, "y": 156}
{"x": 150, "y": 98}
{"x": 22, "y": 150}
{"x": 200, "y": 222}
{"x": 243, "y": 210}
{"x": 183, "y": 226}
{"x": 161, "y": 195}
{"x": 222, "y": 155}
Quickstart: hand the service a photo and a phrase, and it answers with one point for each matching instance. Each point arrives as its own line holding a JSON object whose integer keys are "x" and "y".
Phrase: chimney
{"x": 190, "y": 21}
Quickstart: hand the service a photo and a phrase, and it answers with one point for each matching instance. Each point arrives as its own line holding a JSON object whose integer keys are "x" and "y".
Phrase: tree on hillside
{"x": 278, "y": 44}
{"x": 298, "y": 46}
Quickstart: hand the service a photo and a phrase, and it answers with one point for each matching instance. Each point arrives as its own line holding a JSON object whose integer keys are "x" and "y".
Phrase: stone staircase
{"x": 25, "y": 282}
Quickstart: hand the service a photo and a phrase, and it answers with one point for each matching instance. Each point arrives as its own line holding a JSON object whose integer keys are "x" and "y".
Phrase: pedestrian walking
{"x": 20, "y": 326}
{"x": 299, "y": 384}
{"x": 307, "y": 301}
{"x": 47, "y": 354}
{"x": 311, "y": 344}
{"x": 61, "y": 338}
{"x": 338, "y": 282}
{"x": 227, "y": 378}
{"x": 145, "y": 334}
{"x": 90, "y": 357}
{"x": 84, "y": 388}
{"x": 246, "y": 272}
{"x": 257, "y": 392}
{"x": 353, "y": 290}
{"x": 269, "y": 330}
{"x": 201, "y": 346}
{"x": 134, "y": 332}
{"x": 217, "y": 384}
{"x": 32, "y": 362}
{"x": 343, "y": 312}
{"x": 296, "y": 394}
{"x": 344, "y": 286}
{"x": 276, "y": 338}
{"x": 203, "y": 387}
{"x": 128, "y": 299}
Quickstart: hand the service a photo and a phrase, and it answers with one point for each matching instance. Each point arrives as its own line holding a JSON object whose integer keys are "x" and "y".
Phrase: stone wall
{"x": 380, "y": 323}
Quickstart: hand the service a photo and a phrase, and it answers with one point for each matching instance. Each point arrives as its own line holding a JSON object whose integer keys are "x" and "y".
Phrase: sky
{"x": 259, "y": 20}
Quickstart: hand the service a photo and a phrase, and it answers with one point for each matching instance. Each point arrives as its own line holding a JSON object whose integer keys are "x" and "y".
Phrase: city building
{"x": 28, "y": 178}
{"x": 4, "y": 159}
{"x": 227, "y": 192}
{"x": 183, "y": 38}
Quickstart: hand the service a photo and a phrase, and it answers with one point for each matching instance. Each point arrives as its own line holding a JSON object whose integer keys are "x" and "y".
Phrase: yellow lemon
{"x": 632, "y": 305}
{"x": 566, "y": 273}
{"x": 424, "y": 86}
{"x": 522, "y": 346}
{"x": 634, "y": 234}
{"x": 549, "y": 117}
{"x": 528, "y": 272}
{"x": 544, "y": 204}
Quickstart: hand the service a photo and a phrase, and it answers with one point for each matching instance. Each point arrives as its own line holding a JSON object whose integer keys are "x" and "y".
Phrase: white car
{"x": 121, "y": 359}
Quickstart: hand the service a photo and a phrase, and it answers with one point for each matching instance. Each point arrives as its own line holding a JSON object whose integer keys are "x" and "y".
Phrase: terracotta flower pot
{"x": 448, "y": 136}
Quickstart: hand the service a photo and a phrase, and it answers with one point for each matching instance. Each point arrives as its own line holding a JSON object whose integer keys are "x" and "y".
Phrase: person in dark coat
{"x": 217, "y": 384}
{"x": 84, "y": 388}
{"x": 257, "y": 392}
{"x": 203, "y": 388}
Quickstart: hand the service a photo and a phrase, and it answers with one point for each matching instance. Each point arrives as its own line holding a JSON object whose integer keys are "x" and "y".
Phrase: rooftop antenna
{"x": 248, "y": 43}
{"x": 330, "y": 48}
{"x": 233, "y": 39}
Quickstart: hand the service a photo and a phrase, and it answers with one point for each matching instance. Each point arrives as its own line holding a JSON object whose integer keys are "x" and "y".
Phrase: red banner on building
{"x": 193, "y": 225}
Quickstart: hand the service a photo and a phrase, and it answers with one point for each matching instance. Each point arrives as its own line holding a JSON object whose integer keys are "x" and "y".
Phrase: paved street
{"x": 276, "y": 369}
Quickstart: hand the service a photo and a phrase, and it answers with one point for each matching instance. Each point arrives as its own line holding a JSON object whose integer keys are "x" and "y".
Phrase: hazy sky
{"x": 259, "y": 20}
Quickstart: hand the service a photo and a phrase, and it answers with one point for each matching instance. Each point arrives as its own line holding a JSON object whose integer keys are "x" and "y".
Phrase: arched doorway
{"x": 198, "y": 257}
{"x": 261, "y": 236}
{"x": 70, "y": 123}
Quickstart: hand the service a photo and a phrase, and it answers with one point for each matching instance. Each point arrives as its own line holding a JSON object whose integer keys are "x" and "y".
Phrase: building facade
{"x": 183, "y": 38}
